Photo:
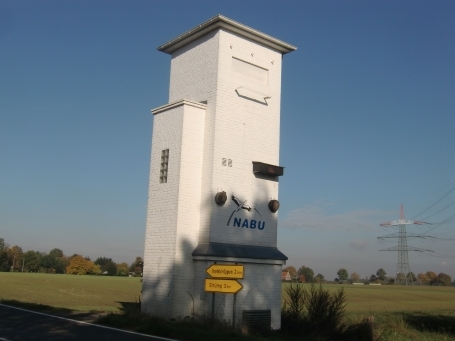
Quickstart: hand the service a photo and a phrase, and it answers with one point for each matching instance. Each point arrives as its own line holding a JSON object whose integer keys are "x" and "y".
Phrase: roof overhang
{"x": 220, "y": 21}
{"x": 238, "y": 251}
{"x": 178, "y": 103}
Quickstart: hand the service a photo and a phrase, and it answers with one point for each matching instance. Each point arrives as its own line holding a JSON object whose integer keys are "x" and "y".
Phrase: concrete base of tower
{"x": 260, "y": 297}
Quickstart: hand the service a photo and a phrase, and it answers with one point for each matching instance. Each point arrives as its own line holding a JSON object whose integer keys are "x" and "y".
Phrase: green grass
{"x": 394, "y": 298}
{"x": 77, "y": 293}
{"x": 401, "y": 313}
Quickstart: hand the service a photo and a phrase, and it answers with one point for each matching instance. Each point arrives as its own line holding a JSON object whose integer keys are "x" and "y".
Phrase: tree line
{"x": 306, "y": 275}
{"x": 14, "y": 259}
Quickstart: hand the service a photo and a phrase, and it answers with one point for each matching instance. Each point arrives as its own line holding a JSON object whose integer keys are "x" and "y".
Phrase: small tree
{"x": 137, "y": 266}
{"x": 433, "y": 278}
{"x": 355, "y": 277}
{"x": 373, "y": 278}
{"x": 4, "y": 261}
{"x": 80, "y": 266}
{"x": 32, "y": 261}
{"x": 107, "y": 265}
{"x": 444, "y": 279}
{"x": 4, "y": 266}
{"x": 15, "y": 254}
{"x": 423, "y": 279}
{"x": 53, "y": 264}
{"x": 56, "y": 253}
{"x": 381, "y": 274}
{"x": 122, "y": 269}
{"x": 343, "y": 274}
{"x": 401, "y": 277}
{"x": 307, "y": 272}
{"x": 319, "y": 278}
{"x": 292, "y": 271}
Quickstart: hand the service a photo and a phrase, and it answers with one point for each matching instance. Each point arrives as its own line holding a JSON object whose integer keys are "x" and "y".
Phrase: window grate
{"x": 257, "y": 319}
{"x": 164, "y": 165}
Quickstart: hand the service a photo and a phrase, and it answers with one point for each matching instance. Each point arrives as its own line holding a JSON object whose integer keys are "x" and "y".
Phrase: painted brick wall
{"x": 194, "y": 69}
{"x": 194, "y": 72}
{"x": 246, "y": 131}
{"x": 189, "y": 208}
{"x": 173, "y": 209}
{"x": 236, "y": 128}
{"x": 183, "y": 212}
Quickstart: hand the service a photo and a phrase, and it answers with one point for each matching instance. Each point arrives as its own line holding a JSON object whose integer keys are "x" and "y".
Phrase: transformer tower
{"x": 403, "y": 274}
{"x": 214, "y": 177}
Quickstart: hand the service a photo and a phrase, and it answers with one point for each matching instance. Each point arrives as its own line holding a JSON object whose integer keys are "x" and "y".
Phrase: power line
{"x": 442, "y": 209}
{"x": 434, "y": 204}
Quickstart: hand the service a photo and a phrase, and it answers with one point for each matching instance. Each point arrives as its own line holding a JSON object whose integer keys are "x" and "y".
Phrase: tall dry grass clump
{"x": 313, "y": 311}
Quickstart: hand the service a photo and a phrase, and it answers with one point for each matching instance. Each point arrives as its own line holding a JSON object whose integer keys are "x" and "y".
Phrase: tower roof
{"x": 220, "y": 21}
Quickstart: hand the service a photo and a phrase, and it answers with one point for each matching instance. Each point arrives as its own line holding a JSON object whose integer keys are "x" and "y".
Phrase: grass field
{"x": 401, "y": 313}
{"x": 79, "y": 293}
{"x": 394, "y": 298}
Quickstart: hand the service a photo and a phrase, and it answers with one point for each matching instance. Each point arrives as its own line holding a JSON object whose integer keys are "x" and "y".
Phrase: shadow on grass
{"x": 130, "y": 306}
{"x": 203, "y": 328}
{"x": 87, "y": 316}
{"x": 131, "y": 318}
{"x": 431, "y": 322}
{"x": 35, "y": 306}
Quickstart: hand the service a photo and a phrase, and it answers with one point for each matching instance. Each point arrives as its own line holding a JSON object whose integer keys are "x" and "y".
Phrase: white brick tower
{"x": 217, "y": 138}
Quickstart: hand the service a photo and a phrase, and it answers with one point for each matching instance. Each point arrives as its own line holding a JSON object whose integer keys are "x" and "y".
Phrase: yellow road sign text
{"x": 226, "y": 271}
{"x": 224, "y": 286}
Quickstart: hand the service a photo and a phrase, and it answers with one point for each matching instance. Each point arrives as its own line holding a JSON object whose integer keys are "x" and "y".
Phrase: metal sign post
{"x": 233, "y": 310}
{"x": 224, "y": 281}
{"x": 213, "y": 306}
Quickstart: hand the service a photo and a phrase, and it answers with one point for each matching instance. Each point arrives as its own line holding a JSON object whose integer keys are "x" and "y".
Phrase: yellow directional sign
{"x": 226, "y": 271}
{"x": 224, "y": 286}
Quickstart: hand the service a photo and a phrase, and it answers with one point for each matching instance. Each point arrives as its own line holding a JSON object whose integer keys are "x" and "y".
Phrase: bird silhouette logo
{"x": 241, "y": 205}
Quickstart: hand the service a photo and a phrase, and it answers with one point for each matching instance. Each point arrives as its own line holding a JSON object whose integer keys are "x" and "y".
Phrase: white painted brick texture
{"x": 173, "y": 210}
{"x": 182, "y": 212}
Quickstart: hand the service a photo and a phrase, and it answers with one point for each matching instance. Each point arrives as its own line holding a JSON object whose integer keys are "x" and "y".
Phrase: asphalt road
{"x": 19, "y": 325}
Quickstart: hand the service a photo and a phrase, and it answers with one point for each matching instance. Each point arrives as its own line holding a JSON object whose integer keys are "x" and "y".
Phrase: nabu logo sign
{"x": 245, "y": 223}
{"x": 252, "y": 224}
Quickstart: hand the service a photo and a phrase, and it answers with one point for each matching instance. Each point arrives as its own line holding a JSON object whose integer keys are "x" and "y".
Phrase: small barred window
{"x": 164, "y": 165}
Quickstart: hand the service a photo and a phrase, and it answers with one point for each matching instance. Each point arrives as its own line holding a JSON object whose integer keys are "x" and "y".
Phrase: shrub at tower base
{"x": 313, "y": 311}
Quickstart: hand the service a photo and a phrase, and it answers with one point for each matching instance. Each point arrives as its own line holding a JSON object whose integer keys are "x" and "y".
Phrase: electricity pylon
{"x": 403, "y": 271}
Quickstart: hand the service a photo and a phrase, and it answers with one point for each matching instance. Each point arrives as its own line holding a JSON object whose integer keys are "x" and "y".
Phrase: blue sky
{"x": 367, "y": 124}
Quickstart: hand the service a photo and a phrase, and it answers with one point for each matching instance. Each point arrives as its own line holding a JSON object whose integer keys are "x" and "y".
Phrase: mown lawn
{"x": 394, "y": 298}
{"x": 401, "y": 313}
{"x": 79, "y": 293}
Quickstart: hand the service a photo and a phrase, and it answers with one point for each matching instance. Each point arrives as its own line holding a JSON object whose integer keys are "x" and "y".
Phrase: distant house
{"x": 285, "y": 276}
{"x": 302, "y": 279}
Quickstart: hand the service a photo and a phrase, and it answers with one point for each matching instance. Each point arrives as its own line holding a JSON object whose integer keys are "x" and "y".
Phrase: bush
{"x": 325, "y": 311}
{"x": 313, "y": 311}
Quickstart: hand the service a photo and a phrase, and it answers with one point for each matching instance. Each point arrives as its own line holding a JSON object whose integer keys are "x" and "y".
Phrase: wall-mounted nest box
{"x": 267, "y": 169}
